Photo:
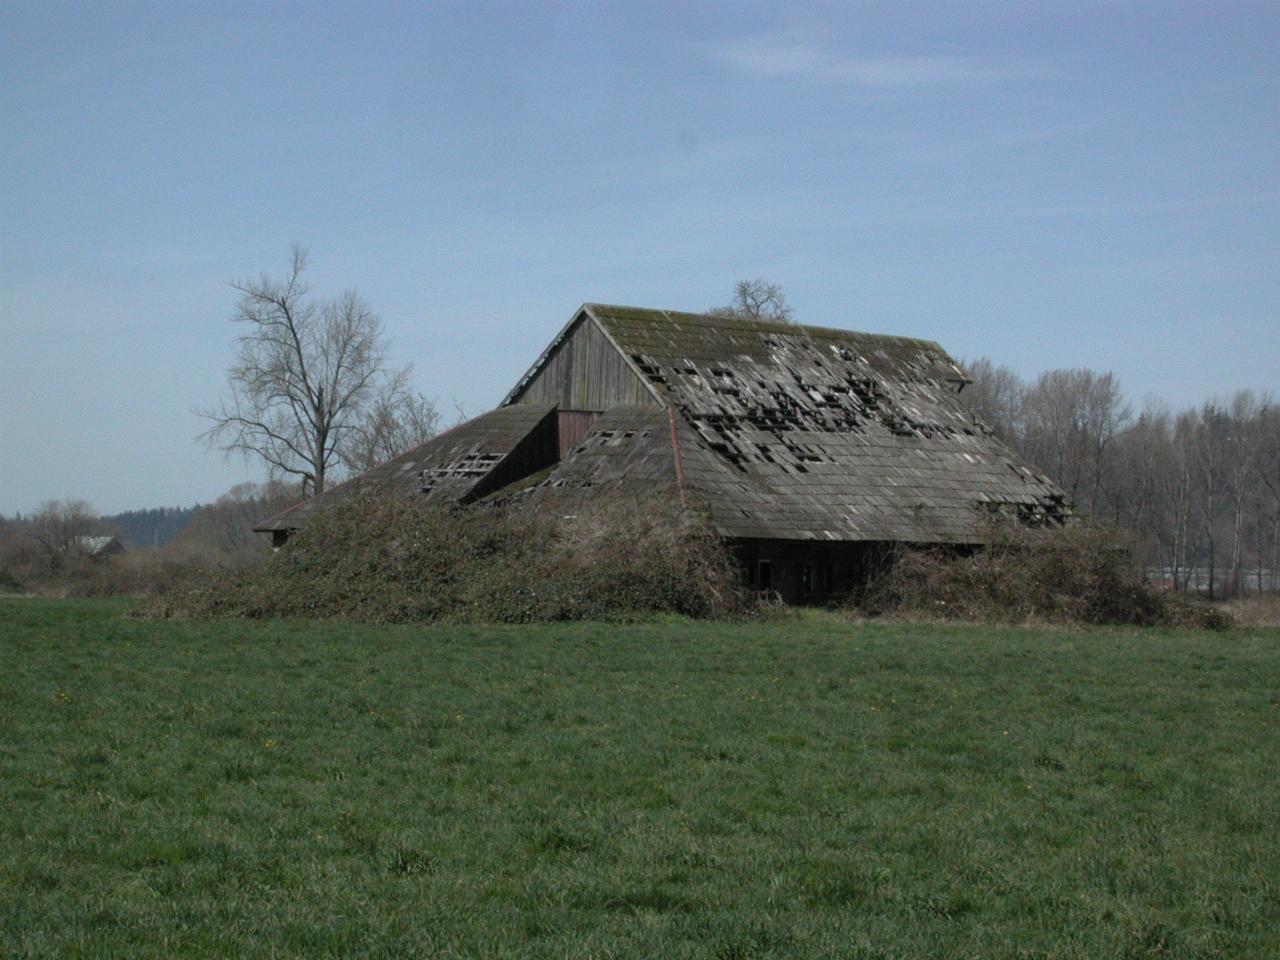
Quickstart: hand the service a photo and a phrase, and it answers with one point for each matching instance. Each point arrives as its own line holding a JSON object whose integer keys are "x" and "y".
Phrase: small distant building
{"x": 810, "y": 449}
{"x": 99, "y": 546}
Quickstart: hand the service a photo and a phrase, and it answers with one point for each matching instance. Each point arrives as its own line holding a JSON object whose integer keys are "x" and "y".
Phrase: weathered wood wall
{"x": 533, "y": 452}
{"x": 574, "y": 425}
{"x": 586, "y": 373}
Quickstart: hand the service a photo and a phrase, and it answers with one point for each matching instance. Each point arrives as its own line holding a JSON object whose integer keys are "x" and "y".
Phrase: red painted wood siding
{"x": 574, "y": 425}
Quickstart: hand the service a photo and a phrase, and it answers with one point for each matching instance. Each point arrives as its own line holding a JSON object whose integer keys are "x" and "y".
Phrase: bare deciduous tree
{"x": 1243, "y": 447}
{"x": 1209, "y": 425}
{"x": 1269, "y": 474}
{"x": 223, "y": 530}
{"x": 305, "y": 378}
{"x": 1072, "y": 417}
{"x": 996, "y": 397}
{"x": 756, "y": 300}
{"x": 396, "y": 420}
{"x": 60, "y": 526}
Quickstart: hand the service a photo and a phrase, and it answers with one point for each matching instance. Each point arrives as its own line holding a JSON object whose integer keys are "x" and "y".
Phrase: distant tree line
{"x": 58, "y": 523}
{"x": 52, "y": 548}
{"x": 152, "y": 527}
{"x": 1198, "y": 487}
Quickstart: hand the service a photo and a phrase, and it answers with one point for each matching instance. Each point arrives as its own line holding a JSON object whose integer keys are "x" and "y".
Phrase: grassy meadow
{"x": 802, "y": 788}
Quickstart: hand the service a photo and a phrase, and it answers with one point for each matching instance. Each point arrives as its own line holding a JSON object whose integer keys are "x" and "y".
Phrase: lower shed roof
{"x": 925, "y": 491}
{"x": 453, "y": 466}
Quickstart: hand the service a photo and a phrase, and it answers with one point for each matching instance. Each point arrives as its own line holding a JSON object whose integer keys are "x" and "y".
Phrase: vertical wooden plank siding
{"x": 586, "y": 373}
{"x": 574, "y": 425}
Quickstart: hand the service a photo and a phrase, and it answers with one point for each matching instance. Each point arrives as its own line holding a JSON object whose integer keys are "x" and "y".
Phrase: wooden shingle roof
{"x": 795, "y": 432}
{"x": 453, "y": 466}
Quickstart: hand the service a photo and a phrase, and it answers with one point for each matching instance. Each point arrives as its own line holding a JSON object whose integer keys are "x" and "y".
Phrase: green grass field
{"x": 805, "y": 788}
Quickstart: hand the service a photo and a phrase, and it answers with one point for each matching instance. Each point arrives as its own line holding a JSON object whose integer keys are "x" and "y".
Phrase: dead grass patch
{"x": 1260, "y": 611}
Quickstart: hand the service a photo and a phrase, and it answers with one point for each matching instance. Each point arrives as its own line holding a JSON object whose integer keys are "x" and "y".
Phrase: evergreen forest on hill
{"x": 152, "y": 527}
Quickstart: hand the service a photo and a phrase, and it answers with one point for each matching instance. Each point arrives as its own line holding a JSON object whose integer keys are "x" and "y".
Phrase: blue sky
{"x": 1047, "y": 185}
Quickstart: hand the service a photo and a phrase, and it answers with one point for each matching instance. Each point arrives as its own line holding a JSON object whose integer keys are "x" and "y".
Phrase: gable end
{"x": 583, "y": 370}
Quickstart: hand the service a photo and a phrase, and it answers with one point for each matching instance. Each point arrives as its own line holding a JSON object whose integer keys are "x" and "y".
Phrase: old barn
{"x": 810, "y": 449}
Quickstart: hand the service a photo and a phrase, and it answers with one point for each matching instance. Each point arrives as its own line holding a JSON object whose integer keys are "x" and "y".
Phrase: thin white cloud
{"x": 797, "y": 58}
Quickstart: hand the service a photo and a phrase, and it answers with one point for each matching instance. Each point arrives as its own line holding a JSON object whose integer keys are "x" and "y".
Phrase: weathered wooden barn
{"x": 810, "y": 449}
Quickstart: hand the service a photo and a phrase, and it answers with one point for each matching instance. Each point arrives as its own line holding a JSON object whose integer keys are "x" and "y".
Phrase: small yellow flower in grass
{"x": 268, "y": 744}
{"x": 63, "y": 697}
{"x": 1005, "y": 734}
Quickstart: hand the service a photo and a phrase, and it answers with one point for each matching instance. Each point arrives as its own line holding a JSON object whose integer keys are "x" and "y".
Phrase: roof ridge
{"x": 779, "y": 326}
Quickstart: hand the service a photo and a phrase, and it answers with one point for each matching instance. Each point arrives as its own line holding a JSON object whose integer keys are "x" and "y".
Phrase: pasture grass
{"x": 802, "y": 788}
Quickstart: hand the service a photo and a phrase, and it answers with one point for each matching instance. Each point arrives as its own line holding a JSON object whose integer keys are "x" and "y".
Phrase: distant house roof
{"x": 776, "y": 430}
{"x": 99, "y": 546}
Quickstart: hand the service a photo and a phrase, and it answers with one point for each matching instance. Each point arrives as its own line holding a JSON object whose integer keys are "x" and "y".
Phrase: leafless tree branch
{"x": 756, "y": 300}
{"x": 309, "y": 384}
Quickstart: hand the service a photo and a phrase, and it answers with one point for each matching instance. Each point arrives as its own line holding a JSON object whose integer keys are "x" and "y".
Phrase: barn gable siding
{"x": 583, "y": 371}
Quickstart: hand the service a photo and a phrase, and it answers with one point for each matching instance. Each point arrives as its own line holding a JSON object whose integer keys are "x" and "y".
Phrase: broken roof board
{"x": 627, "y": 448}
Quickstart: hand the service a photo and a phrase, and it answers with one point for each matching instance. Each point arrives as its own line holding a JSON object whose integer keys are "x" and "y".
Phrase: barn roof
{"x": 459, "y": 464}
{"x": 671, "y": 336}
{"x": 776, "y": 431}
{"x": 796, "y": 432}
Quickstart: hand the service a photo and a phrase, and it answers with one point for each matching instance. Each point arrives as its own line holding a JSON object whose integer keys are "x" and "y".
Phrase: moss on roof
{"x": 671, "y": 335}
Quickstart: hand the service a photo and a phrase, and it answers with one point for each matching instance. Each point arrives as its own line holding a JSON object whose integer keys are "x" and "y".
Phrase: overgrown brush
{"x": 1084, "y": 573}
{"x": 389, "y": 559}
{"x": 26, "y": 567}
{"x": 1255, "y": 610}
{"x": 144, "y": 572}
{"x": 139, "y": 573}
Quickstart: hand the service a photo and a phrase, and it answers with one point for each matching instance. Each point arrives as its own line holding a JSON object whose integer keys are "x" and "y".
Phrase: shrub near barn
{"x": 1085, "y": 573}
{"x": 393, "y": 558}
{"x": 390, "y": 558}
